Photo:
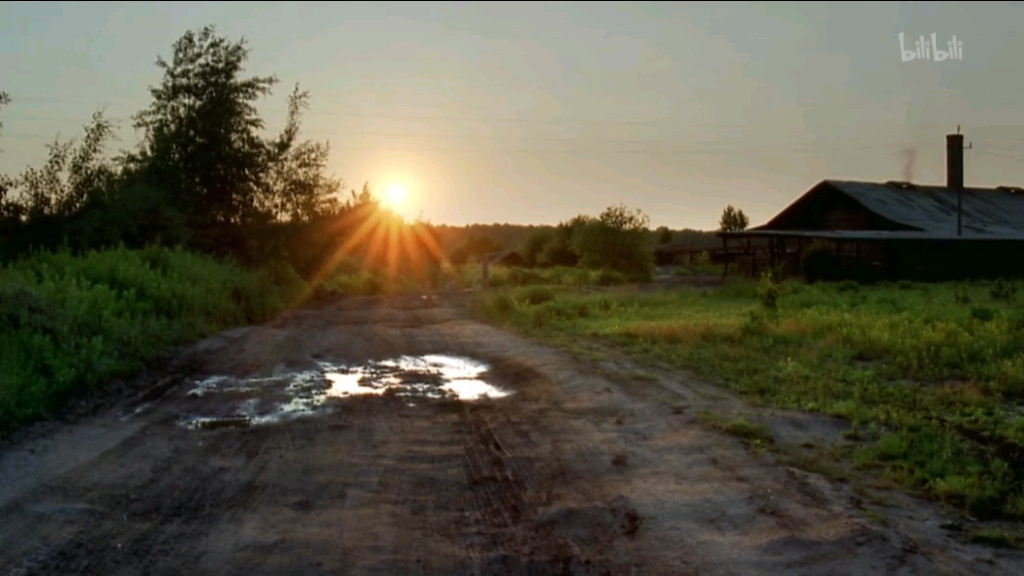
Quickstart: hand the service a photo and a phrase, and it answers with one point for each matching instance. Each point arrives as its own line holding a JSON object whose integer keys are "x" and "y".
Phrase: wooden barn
{"x": 895, "y": 229}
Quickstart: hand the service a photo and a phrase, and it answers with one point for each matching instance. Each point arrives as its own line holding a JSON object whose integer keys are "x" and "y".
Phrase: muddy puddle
{"x": 268, "y": 400}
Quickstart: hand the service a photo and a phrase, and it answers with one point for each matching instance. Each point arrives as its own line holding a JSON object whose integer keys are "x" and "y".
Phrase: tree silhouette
{"x": 733, "y": 220}
{"x": 200, "y": 133}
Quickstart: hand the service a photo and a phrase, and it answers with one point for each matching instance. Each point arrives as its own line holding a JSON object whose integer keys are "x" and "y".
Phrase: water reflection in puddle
{"x": 299, "y": 394}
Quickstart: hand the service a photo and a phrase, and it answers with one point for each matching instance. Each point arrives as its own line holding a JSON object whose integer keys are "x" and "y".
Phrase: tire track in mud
{"x": 524, "y": 497}
{"x": 182, "y": 498}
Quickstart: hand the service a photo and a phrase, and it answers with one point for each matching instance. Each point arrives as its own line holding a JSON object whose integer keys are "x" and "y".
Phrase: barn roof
{"x": 930, "y": 211}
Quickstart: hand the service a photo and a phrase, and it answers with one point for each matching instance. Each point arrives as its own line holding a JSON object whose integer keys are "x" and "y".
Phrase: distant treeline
{"x": 474, "y": 239}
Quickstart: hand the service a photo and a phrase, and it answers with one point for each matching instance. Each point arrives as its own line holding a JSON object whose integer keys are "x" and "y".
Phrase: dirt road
{"x": 289, "y": 448}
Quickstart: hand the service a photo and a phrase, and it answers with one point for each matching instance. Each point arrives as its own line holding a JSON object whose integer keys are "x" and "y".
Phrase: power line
{"x": 768, "y": 149}
{"x": 458, "y": 117}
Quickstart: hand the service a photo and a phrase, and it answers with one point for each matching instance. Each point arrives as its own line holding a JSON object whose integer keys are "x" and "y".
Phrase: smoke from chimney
{"x": 909, "y": 157}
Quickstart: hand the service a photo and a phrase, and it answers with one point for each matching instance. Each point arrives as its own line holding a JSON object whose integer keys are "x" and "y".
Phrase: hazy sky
{"x": 535, "y": 112}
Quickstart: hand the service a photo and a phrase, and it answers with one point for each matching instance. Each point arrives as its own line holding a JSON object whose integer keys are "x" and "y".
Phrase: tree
{"x": 474, "y": 249}
{"x": 558, "y": 251}
{"x": 73, "y": 174}
{"x": 733, "y": 220}
{"x": 618, "y": 239}
{"x": 6, "y": 182}
{"x": 535, "y": 244}
{"x": 664, "y": 235}
{"x": 200, "y": 133}
{"x": 297, "y": 188}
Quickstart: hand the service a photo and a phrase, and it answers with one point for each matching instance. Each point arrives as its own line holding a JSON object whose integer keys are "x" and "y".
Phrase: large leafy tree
{"x": 201, "y": 133}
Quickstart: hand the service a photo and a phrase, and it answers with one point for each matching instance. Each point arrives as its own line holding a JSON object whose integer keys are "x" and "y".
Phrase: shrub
{"x": 535, "y": 295}
{"x": 1017, "y": 321}
{"x": 847, "y": 286}
{"x": 524, "y": 277}
{"x": 1003, "y": 290}
{"x": 960, "y": 295}
{"x": 768, "y": 291}
{"x": 502, "y": 303}
{"x": 617, "y": 239}
{"x": 609, "y": 278}
{"x": 982, "y": 313}
{"x": 67, "y": 323}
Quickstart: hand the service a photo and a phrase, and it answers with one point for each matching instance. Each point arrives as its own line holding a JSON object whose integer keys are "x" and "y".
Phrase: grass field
{"x": 930, "y": 376}
{"x": 351, "y": 281}
{"x": 68, "y": 323}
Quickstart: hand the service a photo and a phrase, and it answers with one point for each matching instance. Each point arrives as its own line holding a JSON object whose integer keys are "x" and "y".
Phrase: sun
{"x": 397, "y": 196}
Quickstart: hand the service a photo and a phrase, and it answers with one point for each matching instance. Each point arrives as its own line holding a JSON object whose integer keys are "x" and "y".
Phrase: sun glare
{"x": 396, "y": 196}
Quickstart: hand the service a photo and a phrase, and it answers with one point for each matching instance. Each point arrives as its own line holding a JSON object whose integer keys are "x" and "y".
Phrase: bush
{"x": 617, "y": 240}
{"x": 502, "y": 303}
{"x": 982, "y": 313}
{"x": 847, "y": 286}
{"x": 1017, "y": 321}
{"x": 1003, "y": 290}
{"x": 769, "y": 291}
{"x": 960, "y": 295}
{"x": 609, "y": 278}
{"x": 535, "y": 295}
{"x": 67, "y": 323}
{"x": 524, "y": 277}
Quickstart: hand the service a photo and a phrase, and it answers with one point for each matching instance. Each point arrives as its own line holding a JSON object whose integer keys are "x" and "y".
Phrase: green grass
{"x": 998, "y": 537}
{"x": 756, "y": 435}
{"x": 502, "y": 276}
{"x": 69, "y": 323}
{"x": 934, "y": 371}
{"x": 355, "y": 282}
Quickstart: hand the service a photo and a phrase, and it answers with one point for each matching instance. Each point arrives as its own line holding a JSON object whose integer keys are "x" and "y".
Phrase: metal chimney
{"x": 955, "y": 161}
{"x": 955, "y": 174}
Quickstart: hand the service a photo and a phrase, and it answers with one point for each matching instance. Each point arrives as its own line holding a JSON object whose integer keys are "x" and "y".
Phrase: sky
{"x": 531, "y": 113}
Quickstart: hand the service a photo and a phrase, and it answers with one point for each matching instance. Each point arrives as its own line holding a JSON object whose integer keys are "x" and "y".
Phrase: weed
{"x": 609, "y": 278}
{"x": 982, "y": 314}
{"x": 847, "y": 286}
{"x": 740, "y": 427}
{"x": 768, "y": 291}
{"x": 1003, "y": 290}
{"x": 960, "y": 296}
{"x": 502, "y": 303}
{"x": 998, "y": 537}
{"x": 876, "y": 517}
{"x": 535, "y": 295}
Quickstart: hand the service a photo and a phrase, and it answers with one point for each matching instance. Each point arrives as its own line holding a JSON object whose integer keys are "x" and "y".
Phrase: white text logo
{"x": 925, "y": 49}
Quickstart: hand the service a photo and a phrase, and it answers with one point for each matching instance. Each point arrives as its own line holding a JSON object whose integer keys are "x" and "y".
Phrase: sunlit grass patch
{"x": 932, "y": 381}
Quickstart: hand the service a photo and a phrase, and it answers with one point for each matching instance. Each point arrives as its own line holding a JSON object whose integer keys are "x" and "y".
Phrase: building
{"x": 894, "y": 229}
